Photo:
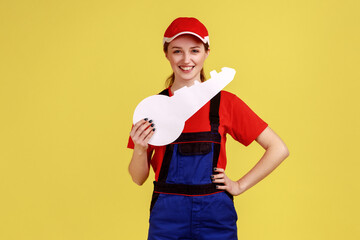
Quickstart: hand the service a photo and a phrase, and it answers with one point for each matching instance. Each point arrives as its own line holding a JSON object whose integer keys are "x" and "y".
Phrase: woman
{"x": 193, "y": 197}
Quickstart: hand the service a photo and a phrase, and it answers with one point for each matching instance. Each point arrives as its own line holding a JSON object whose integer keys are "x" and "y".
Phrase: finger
{"x": 137, "y": 125}
{"x": 146, "y": 132}
{"x": 219, "y": 170}
{"x": 221, "y": 180}
{"x": 148, "y": 137}
{"x": 141, "y": 129}
{"x": 219, "y": 175}
{"x": 221, "y": 187}
{"x": 140, "y": 122}
{"x": 146, "y": 128}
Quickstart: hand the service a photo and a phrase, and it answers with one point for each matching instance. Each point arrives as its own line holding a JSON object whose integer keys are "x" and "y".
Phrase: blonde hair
{"x": 170, "y": 80}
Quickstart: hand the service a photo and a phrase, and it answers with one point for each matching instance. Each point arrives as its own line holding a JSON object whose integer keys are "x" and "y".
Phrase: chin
{"x": 189, "y": 79}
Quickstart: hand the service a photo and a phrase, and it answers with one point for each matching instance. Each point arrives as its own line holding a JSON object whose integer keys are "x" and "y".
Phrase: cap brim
{"x": 204, "y": 40}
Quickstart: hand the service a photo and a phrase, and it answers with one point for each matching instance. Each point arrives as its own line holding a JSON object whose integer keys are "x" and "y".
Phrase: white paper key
{"x": 170, "y": 113}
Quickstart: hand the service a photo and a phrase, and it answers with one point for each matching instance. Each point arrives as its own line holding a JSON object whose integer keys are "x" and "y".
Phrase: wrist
{"x": 140, "y": 150}
{"x": 241, "y": 186}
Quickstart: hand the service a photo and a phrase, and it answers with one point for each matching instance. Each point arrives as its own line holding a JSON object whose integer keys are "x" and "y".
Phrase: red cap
{"x": 186, "y": 25}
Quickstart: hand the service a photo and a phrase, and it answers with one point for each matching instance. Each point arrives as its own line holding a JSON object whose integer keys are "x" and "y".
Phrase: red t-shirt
{"x": 236, "y": 119}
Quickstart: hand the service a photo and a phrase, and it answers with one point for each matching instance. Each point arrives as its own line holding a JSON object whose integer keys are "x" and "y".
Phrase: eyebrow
{"x": 191, "y": 47}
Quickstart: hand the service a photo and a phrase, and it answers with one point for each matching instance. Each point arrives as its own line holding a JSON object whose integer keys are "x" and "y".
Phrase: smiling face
{"x": 186, "y": 55}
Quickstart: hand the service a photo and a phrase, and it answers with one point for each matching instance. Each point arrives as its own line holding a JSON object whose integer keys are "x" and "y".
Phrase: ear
{"x": 207, "y": 53}
{"x": 166, "y": 55}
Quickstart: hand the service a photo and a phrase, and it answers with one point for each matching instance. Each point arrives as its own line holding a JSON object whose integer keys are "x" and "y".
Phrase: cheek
{"x": 201, "y": 60}
{"x": 173, "y": 60}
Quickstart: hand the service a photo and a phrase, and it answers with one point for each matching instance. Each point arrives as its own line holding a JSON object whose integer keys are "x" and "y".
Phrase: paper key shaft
{"x": 170, "y": 113}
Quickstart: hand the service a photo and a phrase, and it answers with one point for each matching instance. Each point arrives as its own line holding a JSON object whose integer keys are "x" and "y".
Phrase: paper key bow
{"x": 170, "y": 113}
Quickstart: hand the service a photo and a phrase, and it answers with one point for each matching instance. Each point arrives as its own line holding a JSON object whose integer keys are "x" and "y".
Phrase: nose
{"x": 187, "y": 58}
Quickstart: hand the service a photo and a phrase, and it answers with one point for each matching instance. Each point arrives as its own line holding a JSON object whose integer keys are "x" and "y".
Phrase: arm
{"x": 276, "y": 152}
{"x": 139, "y": 166}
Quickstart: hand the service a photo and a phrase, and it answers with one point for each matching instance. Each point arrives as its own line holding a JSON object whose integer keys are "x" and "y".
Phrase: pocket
{"x": 229, "y": 202}
{"x": 196, "y": 148}
{"x": 156, "y": 210}
{"x": 229, "y": 195}
{"x": 191, "y": 163}
{"x": 154, "y": 199}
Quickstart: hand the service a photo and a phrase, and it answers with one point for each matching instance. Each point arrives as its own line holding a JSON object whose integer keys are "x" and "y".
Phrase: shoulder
{"x": 229, "y": 98}
{"x": 228, "y": 95}
{"x": 231, "y": 103}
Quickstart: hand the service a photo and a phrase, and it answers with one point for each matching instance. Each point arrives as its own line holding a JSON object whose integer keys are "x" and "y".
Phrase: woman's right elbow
{"x": 138, "y": 175}
{"x": 138, "y": 181}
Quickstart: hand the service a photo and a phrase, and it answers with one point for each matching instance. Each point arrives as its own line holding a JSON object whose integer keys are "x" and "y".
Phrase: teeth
{"x": 186, "y": 68}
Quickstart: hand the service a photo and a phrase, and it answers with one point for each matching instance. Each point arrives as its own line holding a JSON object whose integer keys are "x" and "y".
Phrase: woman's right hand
{"x": 141, "y": 133}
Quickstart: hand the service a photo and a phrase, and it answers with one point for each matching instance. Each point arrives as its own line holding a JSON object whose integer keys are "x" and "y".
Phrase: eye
{"x": 176, "y": 51}
{"x": 195, "y": 51}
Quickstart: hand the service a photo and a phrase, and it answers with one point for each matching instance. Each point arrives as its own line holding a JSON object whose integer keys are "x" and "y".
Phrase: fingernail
{"x": 150, "y": 121}
{"x": 217, "y": 187}
{"x": 215, "y": 168}
{"x": 212, "y": 176}
{"x": 153, "y": 129}
{"x": 152, "y": 125}
{"x": 145, "y": 119}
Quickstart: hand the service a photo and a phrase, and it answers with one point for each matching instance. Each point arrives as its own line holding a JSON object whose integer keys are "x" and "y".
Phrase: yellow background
{"x": 72, "y": 72}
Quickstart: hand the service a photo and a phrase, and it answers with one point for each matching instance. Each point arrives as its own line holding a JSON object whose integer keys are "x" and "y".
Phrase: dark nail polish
{"x": 212, "y": 176}
{"x": 145, "y": 119}
{"x": 153, "y": 129}
{"x": 217, "y": 187}
{"x": 152, "y": 125}
{"x": 214, "y": 168}
{"x": 150, "y": 121}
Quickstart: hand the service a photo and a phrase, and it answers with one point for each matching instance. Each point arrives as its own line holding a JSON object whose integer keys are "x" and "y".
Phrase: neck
{"x": 179, "y": 83}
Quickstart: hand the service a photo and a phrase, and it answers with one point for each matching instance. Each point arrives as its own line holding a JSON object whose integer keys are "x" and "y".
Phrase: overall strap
{"x": 165, "y": 92}
{"x": 214, "y": 112}
{"x": 214, "y": 122}
{"x": 166, "y": 163}
{"x": 168, "y": 152}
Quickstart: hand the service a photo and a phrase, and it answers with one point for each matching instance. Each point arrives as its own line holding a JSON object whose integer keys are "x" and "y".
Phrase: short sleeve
{"x": 130, "y": 141}
{"x": 243, "y": 124}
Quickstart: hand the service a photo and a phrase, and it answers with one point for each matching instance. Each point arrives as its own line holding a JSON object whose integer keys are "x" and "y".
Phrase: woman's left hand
{"x": 230, "y": 186}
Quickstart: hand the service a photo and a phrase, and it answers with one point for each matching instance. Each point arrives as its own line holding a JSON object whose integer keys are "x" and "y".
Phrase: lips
{"x": 186, "y": 68}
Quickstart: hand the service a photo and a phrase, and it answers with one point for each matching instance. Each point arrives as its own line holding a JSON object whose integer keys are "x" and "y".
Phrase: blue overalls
{"x": 185, "y": 203}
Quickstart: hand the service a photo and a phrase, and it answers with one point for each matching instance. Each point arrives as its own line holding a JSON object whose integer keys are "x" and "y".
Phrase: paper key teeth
{"x": 228, "y": 72}
{"x": 213, "y": 74}
{"x": 180, "y": 90}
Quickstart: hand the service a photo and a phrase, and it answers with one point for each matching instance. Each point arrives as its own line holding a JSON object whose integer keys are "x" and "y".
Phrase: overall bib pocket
{"x": 198, "y": 148}
{"x": 191, "y": 163}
